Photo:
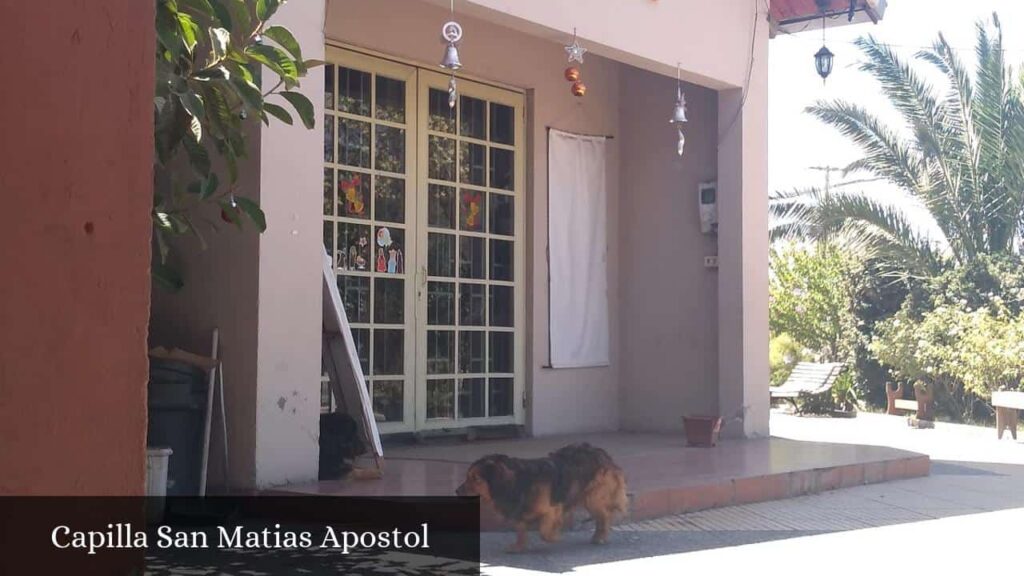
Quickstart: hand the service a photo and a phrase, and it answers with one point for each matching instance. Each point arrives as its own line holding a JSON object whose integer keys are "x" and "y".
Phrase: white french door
{"x": 423, "y": 211}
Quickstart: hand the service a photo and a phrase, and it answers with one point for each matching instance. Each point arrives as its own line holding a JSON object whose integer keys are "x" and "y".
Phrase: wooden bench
{"x": 1007, "y": 403}
{"x": 921, "y": 406}
{"x": 807, "y": 378}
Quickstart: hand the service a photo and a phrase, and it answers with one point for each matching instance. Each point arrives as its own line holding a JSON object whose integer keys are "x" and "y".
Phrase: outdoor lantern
{"x": 823, "y": 62}
{"x": 823, "y": 59}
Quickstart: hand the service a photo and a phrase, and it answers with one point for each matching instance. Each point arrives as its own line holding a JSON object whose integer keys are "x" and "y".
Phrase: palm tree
{"x": 959, "y": 153}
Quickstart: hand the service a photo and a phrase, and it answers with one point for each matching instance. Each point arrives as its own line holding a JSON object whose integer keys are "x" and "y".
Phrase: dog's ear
{"x": 495, "y": 470}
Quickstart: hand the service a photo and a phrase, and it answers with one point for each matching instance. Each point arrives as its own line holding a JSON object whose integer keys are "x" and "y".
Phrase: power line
{"x": 750, "y": 70}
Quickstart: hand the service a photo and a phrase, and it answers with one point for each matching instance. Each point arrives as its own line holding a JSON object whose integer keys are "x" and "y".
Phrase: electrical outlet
{"x": 711, "y": 261}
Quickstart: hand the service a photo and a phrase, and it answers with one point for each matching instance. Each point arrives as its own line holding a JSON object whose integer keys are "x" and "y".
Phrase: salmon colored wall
{"x": 75, "y": 177}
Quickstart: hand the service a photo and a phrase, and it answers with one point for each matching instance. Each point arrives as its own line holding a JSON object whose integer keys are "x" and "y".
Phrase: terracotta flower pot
{"x": 702, "y": 430}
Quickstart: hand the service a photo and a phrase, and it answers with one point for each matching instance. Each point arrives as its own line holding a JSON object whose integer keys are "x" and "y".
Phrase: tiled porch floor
{"x": 664, "y": 475}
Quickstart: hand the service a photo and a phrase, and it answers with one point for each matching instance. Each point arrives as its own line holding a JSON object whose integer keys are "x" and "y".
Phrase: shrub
{"x": 965, "y": 353}
{"x": 811, "y": 299}
{"x": 783, "y": 354}
{"x": 213, "y": 58}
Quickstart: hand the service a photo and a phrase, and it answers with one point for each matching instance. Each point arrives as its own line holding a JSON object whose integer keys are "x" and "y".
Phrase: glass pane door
{"x": 470, "y": 342}
{"x": 369, "y": 220}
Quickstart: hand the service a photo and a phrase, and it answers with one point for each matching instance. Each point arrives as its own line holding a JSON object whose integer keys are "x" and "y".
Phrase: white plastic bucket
{"x": 156, "y": 482}
{"x": 156, "y": 471}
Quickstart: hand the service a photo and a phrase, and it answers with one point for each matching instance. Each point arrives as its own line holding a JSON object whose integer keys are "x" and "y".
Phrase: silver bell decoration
{"x": 679, "y": 112}
{"x": 451, "y": 58}
{"x": 451, "y": 33}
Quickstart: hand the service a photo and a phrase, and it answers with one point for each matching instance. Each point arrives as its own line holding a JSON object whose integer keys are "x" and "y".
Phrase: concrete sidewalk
{"x": 665, "y": 476}
{"x": 972, "y": 501}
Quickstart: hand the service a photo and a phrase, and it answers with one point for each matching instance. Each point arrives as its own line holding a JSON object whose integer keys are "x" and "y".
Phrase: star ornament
{"x": 575, "y": 51}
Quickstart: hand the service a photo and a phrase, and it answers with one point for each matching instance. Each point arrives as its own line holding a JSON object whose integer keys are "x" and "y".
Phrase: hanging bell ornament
{"x": 579, "y": 89}
{"x": 451, "y": 57}
{"x": 451, "y": 33}
{"x": 679, "y": 112}
{"x": 572, "y": 74}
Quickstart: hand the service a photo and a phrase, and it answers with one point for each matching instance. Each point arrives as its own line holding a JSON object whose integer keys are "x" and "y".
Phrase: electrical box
{"x": 707, "y": 195}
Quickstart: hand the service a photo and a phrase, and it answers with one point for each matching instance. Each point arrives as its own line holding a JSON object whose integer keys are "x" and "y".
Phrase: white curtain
{"x": 577, "y": 250}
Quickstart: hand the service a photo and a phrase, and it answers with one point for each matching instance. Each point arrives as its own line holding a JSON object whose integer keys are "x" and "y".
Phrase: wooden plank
{"x": 1008, "y": 399}
{"x": 347, "y": 381}
{"x": 208, "y": 415}
{"x": 223, "y": 421}
{"x": 901, "y": 404}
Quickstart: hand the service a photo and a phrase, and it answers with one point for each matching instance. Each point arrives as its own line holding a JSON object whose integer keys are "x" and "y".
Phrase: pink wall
{"x": 561, "y": 400}
{"x": 710, "y": 39}
{"x": 668, "y": 298}
{"x": 743, "y": 250}
{"x": 291, "y": 275}
{"x": 75, "y": 175}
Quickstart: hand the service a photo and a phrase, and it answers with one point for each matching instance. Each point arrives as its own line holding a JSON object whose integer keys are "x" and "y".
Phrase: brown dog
{"x": 542, "y": 491}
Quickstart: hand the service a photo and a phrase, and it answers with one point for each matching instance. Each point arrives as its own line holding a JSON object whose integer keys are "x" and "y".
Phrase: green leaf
{"x": 220, "y": 39}
{"x": 239, "y": 71}
{"x": 220, "y": 119}
{"x": 282, "y": 36}
{"x": 189, "y": 30}
{"x": 163, "y": 222}
{"x": 193, "y": 104}
{"x": 241, "y": 15}
{"x": 196, "y": 128}
{"x": 223, "y": 13}
{"x": 275, "y": 59}
{"x": 305, "y": 65}
{"x": 215, "y": 73}
{"x": 198, "y": 7}
{"x": 209, "y": 186}
{"x": 168, "y": 31}
{"x": 265, "y": 9}
{"x": 249, "y": 93}
{"x": 198, "y": 156}
{"x": 278, "y": 112}
{"x": 253, "y": 211}
{"x": 303, "y": 106}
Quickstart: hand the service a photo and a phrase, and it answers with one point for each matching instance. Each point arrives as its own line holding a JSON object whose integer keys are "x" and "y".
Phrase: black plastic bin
{"x": 177, "y": 404}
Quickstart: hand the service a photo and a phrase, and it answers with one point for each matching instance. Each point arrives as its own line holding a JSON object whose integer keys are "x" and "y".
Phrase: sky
{"x": 798, "y": 142}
